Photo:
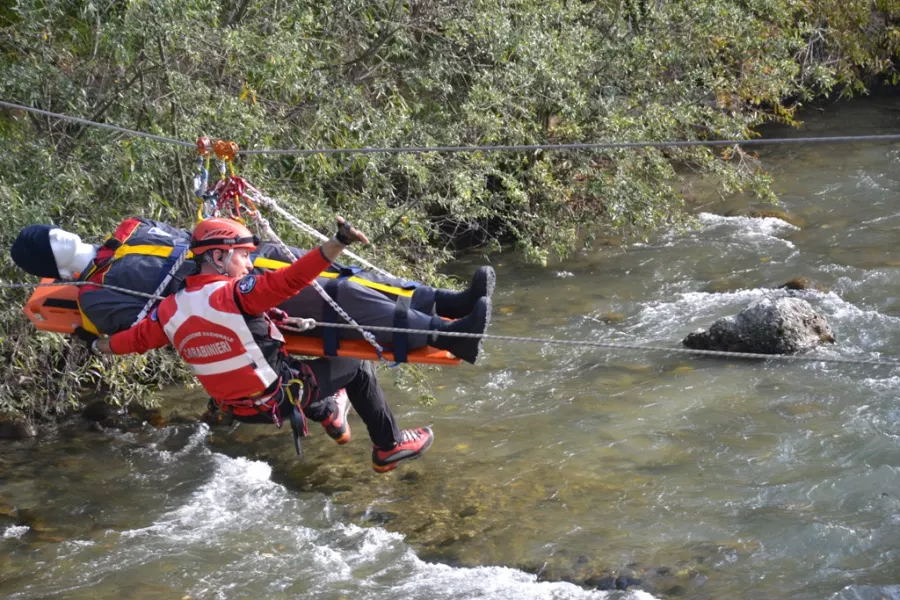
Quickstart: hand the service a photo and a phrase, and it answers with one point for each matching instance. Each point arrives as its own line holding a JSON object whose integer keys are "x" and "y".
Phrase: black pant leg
{"x": 359, "y": 379}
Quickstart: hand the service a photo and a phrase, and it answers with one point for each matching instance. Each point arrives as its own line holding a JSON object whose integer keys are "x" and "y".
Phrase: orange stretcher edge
{"x": 55, "y": 308}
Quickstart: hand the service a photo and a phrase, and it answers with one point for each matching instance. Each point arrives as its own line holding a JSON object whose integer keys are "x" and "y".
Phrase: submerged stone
{"x": 774, "y": 213}
{"x": 98, "y": 410}
{"x": 16, "y": 428}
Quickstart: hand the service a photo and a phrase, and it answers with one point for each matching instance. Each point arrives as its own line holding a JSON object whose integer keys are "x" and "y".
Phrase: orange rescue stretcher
{"x": 55, "y": 308}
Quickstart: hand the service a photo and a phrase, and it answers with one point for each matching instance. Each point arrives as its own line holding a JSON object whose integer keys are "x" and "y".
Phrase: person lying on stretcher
{"x": 141, "y": 254}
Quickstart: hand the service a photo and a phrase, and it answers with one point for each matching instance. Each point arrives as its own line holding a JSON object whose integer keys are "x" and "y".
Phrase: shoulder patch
{"x": 154, "y": 314}
{"x": 247, "y": 283}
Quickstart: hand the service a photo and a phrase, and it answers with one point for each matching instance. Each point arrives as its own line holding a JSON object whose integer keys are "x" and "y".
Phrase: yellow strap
{"x": 147, "y": 250}
{"x": 268, "y": 263}
{"x": 390, "y": 289}
{"x": 86, "y": 323}
{"x": 262, "y": 263}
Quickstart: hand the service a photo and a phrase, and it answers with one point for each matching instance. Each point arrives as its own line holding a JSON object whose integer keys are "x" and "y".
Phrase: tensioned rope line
{"x": 29, "y": 285}
{"x": 368, "y": 336}
{"x": 143, "y": 134}
{"x": 616, "y": 346}
{"x": 894, "y": 137}
{"x": 263, "y": 200}
{"x": 836, "y": 139}
{"x": 512, "y": 338}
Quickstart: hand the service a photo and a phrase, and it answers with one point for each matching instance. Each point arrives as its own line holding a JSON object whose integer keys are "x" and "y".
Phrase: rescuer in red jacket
{"x": 223, "y": 324}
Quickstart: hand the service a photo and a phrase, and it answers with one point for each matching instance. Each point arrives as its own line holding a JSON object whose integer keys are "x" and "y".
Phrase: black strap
{"x": 400, "y": 339}
{"x": 113, "y": 243}
{"x": 228, "y": 412}
{"x": 226, "y": 241}
{"x": 296, "y": 419}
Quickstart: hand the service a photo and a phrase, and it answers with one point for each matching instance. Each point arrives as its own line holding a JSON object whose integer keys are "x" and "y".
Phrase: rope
{"x": 54, "y": 115}
{"x": 78, "y": 283}
{"x": 624, "y": 346}
{"x": 366, "y": 332}
{"x": 369, "y": 337}
{"x": 162, "y": 285}
{"x": 836, "y": 139}
{"x": 265, "y": 201}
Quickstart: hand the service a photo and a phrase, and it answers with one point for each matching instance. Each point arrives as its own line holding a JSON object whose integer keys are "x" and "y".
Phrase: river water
{"x": 698, "y": 478}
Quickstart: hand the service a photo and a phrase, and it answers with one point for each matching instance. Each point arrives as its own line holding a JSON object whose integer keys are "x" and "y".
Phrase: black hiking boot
{"x": 466, "y": 348}
{"x": 456, "y": 305}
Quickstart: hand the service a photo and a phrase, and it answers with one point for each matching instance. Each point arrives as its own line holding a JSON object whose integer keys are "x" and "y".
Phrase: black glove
{"x": 277, "y": 315}
{"x": 85, "y": 336}
{"x": 343, "y": 234}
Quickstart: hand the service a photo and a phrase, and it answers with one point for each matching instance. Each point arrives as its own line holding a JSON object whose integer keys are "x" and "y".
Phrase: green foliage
{"x": 279, "y": 74}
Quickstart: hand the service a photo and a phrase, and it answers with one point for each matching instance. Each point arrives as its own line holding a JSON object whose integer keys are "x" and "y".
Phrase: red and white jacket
{"x": 219, "y": 327}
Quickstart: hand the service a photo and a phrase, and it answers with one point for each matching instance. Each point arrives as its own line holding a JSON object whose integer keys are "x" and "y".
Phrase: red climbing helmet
{"x": 222, "y": 234}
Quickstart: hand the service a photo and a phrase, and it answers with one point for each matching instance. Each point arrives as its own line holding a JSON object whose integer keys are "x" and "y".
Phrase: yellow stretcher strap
{"x": 146, "y": 250}
{"x": 86, "y": 323}
{"x": 262, "y": 263}
{"x": 268, "y": 263}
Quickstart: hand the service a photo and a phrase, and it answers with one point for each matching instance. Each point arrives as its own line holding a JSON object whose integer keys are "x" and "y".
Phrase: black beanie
{"x": 32, "y": 252}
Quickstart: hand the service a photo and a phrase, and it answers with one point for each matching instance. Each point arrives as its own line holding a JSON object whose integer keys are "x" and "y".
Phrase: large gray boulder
{"x": 769, "y": 326}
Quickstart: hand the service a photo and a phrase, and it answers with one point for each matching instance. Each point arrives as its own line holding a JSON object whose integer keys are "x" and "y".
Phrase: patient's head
{"x": 48, "y": 251}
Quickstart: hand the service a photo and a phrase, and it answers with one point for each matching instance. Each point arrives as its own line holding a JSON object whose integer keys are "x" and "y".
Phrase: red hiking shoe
{"x": 336, "y": 425}
{"x": 413, "y": 443}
